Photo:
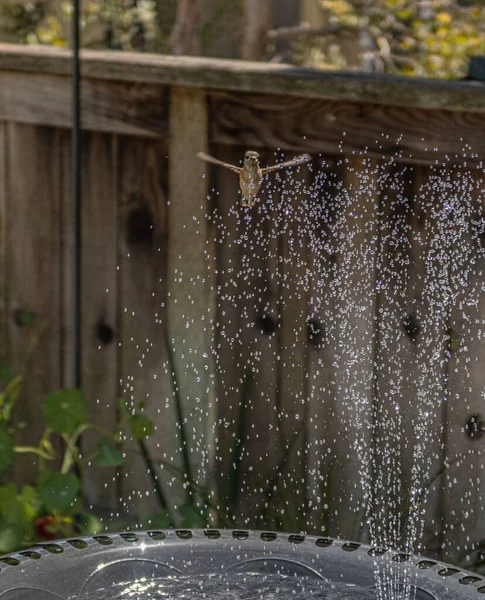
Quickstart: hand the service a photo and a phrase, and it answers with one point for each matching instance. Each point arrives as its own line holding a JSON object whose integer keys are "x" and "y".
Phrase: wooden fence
{"x": 162, "y": 251}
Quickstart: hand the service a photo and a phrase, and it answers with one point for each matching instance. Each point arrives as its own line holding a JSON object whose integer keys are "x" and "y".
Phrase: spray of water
{"x": 333, "y": 346}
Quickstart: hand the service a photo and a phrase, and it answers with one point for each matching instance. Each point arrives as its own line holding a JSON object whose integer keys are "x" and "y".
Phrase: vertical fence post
{"x": 188, "y": 278}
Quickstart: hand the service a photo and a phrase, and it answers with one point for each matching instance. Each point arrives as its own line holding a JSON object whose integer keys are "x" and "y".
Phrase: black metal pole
{"x": 76, "y": 190}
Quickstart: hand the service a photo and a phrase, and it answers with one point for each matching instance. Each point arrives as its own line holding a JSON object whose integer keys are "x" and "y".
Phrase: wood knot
{"x": 411, "y": 325}
{"x": 266, "y": 323}
{"x": 140, "y": 226}
{"x": 104, "y": 333}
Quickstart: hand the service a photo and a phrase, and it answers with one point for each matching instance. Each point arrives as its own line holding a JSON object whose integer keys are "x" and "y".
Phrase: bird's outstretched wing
{"x": 298, "y": 160}
{"x": 215, "y": 161}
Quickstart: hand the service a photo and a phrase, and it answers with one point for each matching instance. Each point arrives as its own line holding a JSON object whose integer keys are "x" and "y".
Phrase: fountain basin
{"x": 225, "y": 564}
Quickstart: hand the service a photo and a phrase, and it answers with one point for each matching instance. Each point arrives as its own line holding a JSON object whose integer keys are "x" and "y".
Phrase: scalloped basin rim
{"x": 67, "y": 568}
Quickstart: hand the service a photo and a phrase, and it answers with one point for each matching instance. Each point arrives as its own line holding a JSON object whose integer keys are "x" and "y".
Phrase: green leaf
{"x": 121, "y": 403}
{"x": 108, "y": 454}
{"x": 6, "y": 373}
{"x": 6, "y": 448}
{"x": 31, "y": 501}
{"x": 179, "y": 409}
{"x": 89, "y": 524}
{"x": 76, "y": 507}
{"x": 58, "y": 490}
{"x": 11, "y": 508}
{"x": 141, "y": 427}
{"x": 11, "y": 537}
{"x": 9, "y": 396}
{"x": 65, "y": 411}
{"x": 191, "y": 517}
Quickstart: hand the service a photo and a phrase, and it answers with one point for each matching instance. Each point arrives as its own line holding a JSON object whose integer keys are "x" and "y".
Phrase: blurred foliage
{"x": 135, "y": 25}
{"x": 111, "y": 24}
{"x": 19, "y": 21}
{"x": 54, "y": 507}
{"x": 428, "y": 38}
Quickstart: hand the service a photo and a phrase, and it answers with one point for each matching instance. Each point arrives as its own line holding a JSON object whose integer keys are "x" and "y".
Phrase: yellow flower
{"x": 443, "y": 18}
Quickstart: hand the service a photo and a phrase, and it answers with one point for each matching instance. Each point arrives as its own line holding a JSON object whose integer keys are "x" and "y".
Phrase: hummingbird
{"x": 251, "y": 174}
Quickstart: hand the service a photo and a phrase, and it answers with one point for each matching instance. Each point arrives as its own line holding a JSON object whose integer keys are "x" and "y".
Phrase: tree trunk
{"x": 166, "y": 13}
{"x": 311, "y": 13}
{"x": 186, "y": 35}
{"x": 257, "y": 22}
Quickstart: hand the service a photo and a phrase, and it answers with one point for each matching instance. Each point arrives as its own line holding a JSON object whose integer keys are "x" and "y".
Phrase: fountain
{"x": 218, "y": 564}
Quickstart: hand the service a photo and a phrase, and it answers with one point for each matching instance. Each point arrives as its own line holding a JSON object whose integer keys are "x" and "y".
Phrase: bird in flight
{"x": 251, "y": 174}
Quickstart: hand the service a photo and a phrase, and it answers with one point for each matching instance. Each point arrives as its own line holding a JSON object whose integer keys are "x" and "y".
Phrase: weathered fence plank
{"x": 243, "y": 76}
{"x": 144, "y": 369}
{"x": 99, "y": 320}
{"x": 426, "y": 372}
{"x": 322, "y": 424}
{"x": 228, "y": 343}
{"x": 188, "y": 310}
{"x": 61, "y": 165}
{"x": 264, "y": 417}
{"x": 316, "y": 125}
{"x": 107, "y": 106}
{"x": 256, "y": 297}
{"x": 392, "y": 454}
{"x": 33, "y": 271}
{"x": 293, "y": 341}
{"x": 463, "y": 485}
{"x": 254, "y": 399}
{"x": 403, "y": 343}
{"x": 354, "y": 337}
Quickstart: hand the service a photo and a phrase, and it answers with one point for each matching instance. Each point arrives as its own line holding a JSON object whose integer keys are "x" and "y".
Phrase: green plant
{"x": 54, "y": 506}
{"x": 200, "y": 508}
